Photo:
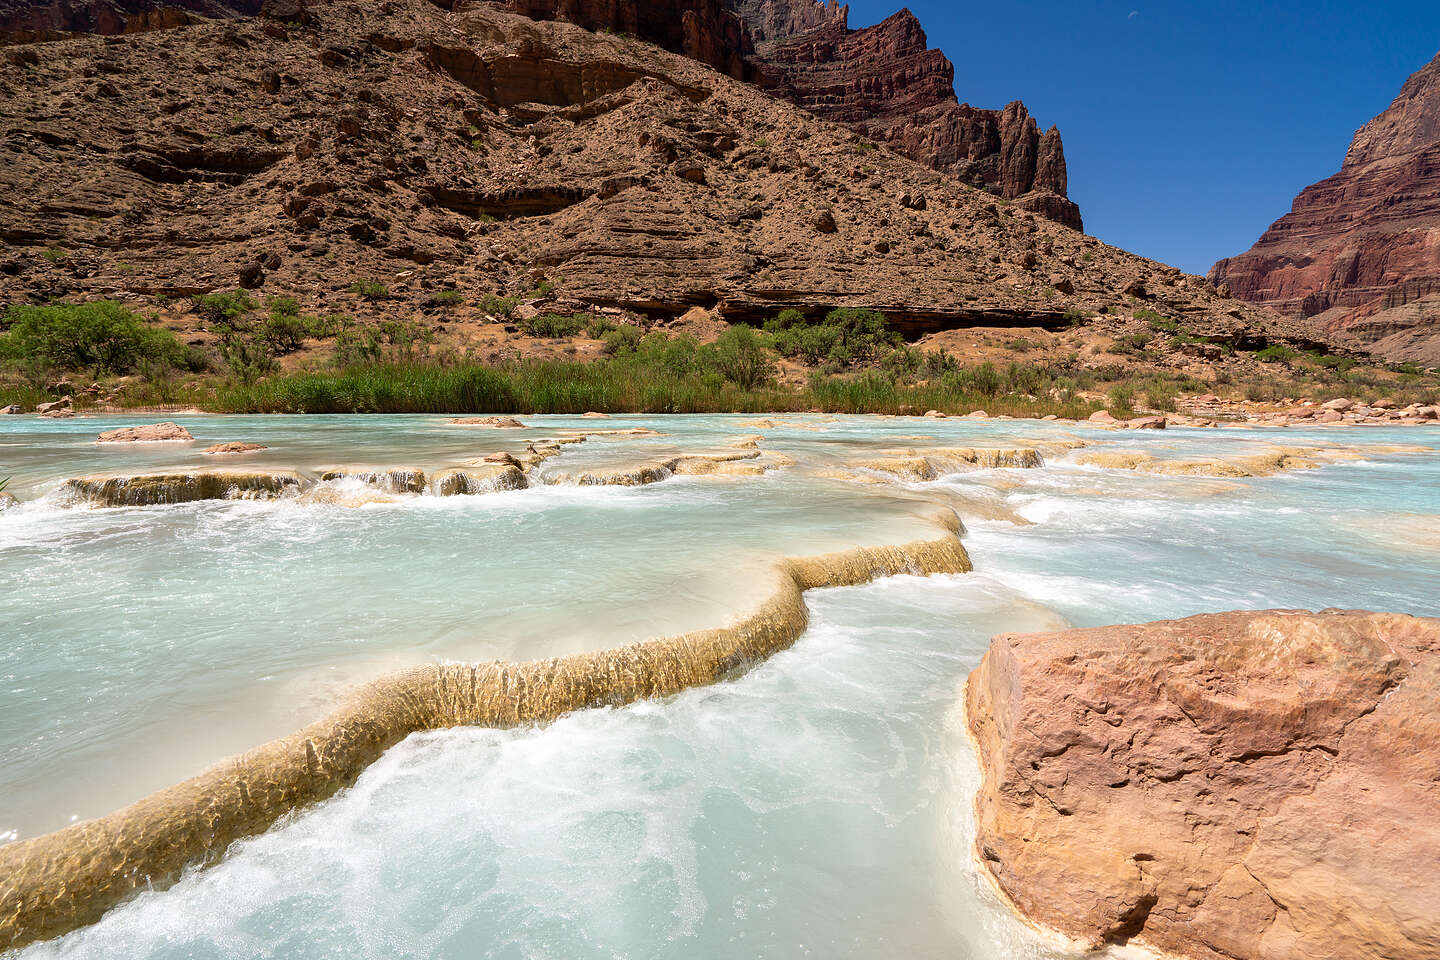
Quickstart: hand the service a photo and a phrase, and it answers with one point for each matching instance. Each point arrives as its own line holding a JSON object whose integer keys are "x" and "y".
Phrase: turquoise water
{"x": 816, "y": 807}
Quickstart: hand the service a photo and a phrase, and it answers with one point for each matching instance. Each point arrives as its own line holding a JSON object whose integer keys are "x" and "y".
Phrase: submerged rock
{"x": 929, "y": 464}
{"x": 8, "y": 502}
{"x": 150, "y": 489}
{"x": 485, "y": 478}
{"x": 391, "y": 480}
{"x": 234, "y": 447}
{"x": 150, "y": 433}
{"x": 1231, "y": 785}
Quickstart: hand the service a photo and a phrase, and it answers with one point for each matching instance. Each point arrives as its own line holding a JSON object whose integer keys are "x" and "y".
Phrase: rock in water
{"x": 149, "y": 433}
{"x": 1251, "y": 785}
{"x": 1357, "y": 250}
{"x": 235, "y": 447}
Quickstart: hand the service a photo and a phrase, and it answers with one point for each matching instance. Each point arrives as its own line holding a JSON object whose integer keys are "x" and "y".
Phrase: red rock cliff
{"x": 703, "y": 30}
{"x": 886, "y": 82}
{"x": 1361, "y": 249}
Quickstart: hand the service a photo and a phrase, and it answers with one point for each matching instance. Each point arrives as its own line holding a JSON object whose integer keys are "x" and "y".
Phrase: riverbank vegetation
{"x": 850, "y": 361}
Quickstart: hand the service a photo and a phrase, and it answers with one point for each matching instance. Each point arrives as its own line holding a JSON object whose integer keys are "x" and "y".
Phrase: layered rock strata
{"x": 1360, "y": 251}
{"x": 885, "y": 82}
{"x": 882, "y": 81}
{"x": 55, "y": 883}
{"x": 1237, "y": 785}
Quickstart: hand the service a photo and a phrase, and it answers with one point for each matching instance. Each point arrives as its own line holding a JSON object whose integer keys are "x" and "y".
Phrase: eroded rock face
{"x": 703, "y": 30}
{"x": 1360, "y": 251}
{"x": 1237, "y": 785}
{"x": 882, "y": 81}
{"x": 23, "y": 21}
{"x": 885, "y": 82}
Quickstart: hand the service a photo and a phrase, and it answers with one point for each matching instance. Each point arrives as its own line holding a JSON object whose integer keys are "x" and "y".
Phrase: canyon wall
{"x": 1360, "y": 251}
{"x": 883, "y": 81}
{"x": 887, "y": 83}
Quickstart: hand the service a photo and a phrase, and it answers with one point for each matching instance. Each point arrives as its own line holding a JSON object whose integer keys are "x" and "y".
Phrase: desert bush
{"x": 553, "y": 325}
{"x": 102, "y": 337}
{"x": 370, "y": 290}
{"x": 741, "y": 356}
{"x": 223, "y": 307}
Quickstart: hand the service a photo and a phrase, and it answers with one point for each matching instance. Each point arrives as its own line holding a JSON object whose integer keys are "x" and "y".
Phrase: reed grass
{"x": 602, "y": 386}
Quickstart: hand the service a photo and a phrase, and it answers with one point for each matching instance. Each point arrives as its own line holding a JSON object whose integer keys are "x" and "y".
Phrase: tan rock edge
{"x": 52, "y": 884}
{"x": 1236, "y": 785}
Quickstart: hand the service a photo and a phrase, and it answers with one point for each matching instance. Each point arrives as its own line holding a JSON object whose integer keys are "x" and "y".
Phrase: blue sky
{"x": 1188, "y": 127}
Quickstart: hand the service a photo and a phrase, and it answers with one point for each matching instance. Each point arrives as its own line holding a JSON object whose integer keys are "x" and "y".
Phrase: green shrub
{"x": 1122, "y": 399}
{"x": 370, "y": 290}
{"x": 283, "y": 307}
{"x": 502, "y": 307}
{"x": 284, "y": 332}
{"x": 554, "y": 325}
{"x": 102, "y": 337}
{"x": 1160, "y": 395}
{"x": 1275, "y": 353}
{"x": 1157, "y": 322}
{"x": 846, "y": 337}
{"x": 622, "y": 340}
{"x": 599, "y": 326}
{"x": 741, "y": 357}
{"x": 223, "y": 307}
{"x": 446, "y": 298}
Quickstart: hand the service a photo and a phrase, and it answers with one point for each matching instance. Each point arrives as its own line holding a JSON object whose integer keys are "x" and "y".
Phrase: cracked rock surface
{"x": 1246, "y": 784}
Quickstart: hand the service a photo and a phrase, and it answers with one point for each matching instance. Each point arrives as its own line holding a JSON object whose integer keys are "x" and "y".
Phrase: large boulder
{"x": 150, "y": 433}
{"x": 1236, "y": 785}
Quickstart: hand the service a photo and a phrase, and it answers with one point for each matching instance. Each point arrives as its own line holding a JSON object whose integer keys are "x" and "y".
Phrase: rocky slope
{"x": 420, "y": 148}
{"x": 882, "y": 81}
{"x": 1360, "y": 251}
{"x": 1238, "y": 785}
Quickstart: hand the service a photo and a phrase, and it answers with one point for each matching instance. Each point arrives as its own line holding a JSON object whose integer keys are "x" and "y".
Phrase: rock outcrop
{"x": 1360, "y": 251}
{"x": 703, "y": 30}
{"x": 22, "y": 21}
{"x": 1238, "y": 785}
{"x": 882, "y": 81}
{"x": 149, "y": 433}
{"x": 885, "y": 82}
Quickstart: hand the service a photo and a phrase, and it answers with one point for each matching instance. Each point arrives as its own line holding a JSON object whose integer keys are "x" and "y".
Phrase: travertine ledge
{"x": 55, "y": 883}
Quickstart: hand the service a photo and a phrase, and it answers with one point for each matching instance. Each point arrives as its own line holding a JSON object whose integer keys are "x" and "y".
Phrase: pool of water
{"x": 818, "y": 806}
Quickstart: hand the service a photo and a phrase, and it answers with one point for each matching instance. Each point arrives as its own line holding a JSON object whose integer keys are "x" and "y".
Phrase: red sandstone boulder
{"x": 1237, "y": 785}
{"x": 150, "y": 433}
{"x": 497, "y": 423}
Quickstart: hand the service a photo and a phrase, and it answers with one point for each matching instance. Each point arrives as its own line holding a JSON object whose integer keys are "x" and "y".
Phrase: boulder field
{"x": 1235, "y": 785}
